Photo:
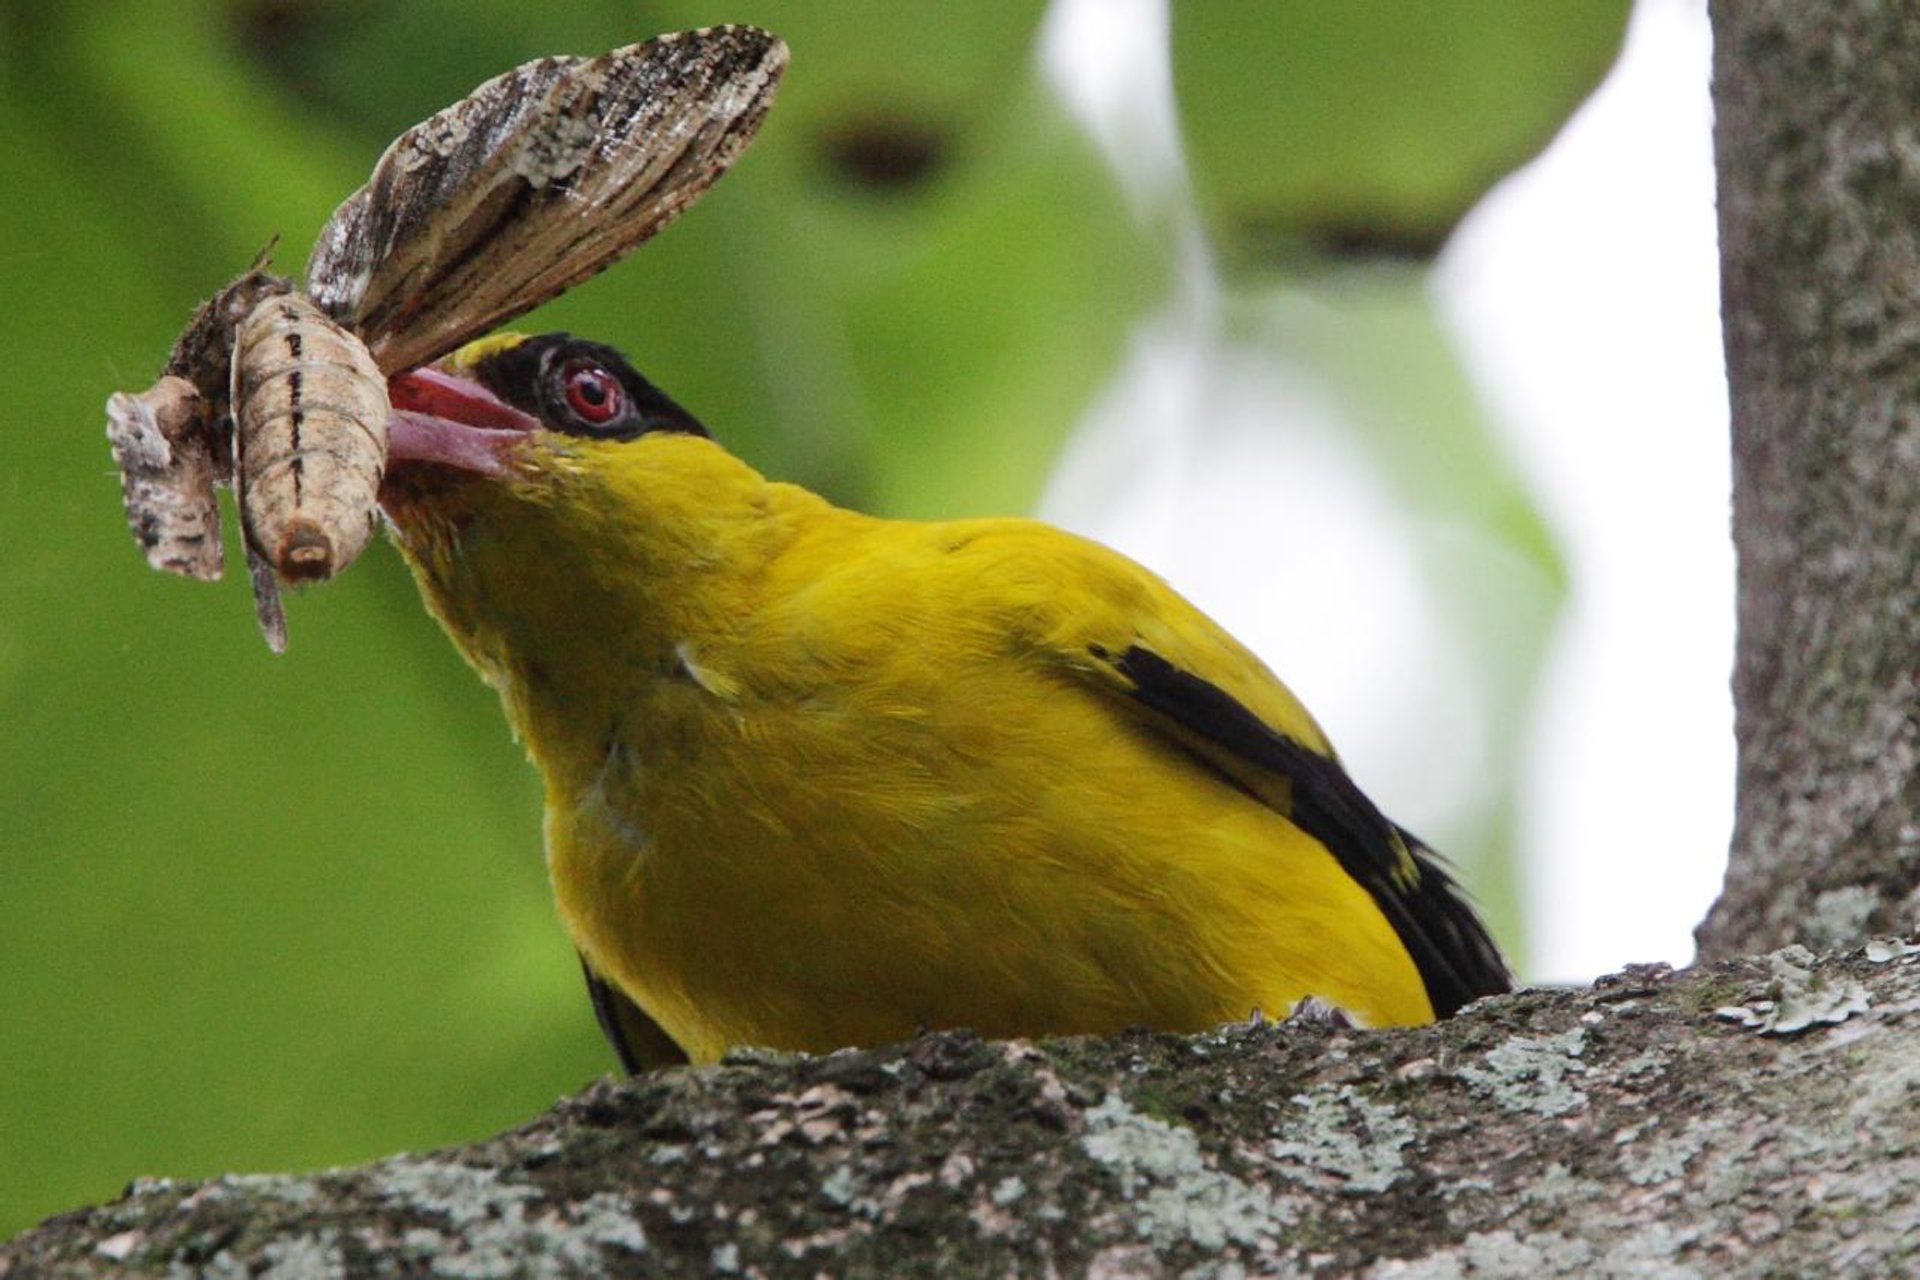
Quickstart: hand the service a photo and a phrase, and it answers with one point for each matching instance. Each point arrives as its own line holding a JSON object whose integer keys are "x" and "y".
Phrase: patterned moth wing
{"x": 171, "y": 441}
{"x": 537, "y": 180}
{"x": 167, "y": 475}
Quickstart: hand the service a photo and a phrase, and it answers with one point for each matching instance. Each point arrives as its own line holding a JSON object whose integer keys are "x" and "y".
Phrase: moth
{"x": 541, "y": 177}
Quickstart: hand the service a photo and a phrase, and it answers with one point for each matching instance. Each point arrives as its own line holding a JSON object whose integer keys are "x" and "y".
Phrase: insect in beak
{"x": 541, "y": 177}
{"x": 442, "y": 419}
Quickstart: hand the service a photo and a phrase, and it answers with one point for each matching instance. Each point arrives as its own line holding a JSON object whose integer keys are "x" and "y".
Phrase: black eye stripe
{"x": 534, "y": 376}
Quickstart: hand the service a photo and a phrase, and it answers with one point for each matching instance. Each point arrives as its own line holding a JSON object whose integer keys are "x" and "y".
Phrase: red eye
{"x": 595, "y": 396}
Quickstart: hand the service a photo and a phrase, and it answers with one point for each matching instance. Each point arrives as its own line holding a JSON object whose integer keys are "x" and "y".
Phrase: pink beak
{"x": 438, "y": 418}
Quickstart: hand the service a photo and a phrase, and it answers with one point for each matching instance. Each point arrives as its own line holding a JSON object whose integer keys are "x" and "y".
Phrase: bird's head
{"x": 540, "y": 488}
{"x": 508, "y": 407}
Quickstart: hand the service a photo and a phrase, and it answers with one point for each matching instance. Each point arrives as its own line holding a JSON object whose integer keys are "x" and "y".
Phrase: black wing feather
{"x": 1450, "y": 947}
{"x": 635, "y": 1037}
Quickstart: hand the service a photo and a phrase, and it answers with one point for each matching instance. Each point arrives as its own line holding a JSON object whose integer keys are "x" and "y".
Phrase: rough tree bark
{"x": 1816, "y": 109}
{"x": 1747, "y": 1117}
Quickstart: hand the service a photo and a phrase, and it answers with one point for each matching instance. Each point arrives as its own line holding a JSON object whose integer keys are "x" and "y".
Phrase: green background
{"x": 264, "y": 912}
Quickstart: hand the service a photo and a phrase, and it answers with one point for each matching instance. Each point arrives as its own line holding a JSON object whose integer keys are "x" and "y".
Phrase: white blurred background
{"x": 1582, "y": 296}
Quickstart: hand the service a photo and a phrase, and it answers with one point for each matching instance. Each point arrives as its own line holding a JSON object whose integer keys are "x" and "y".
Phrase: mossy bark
{"x": 1817, "y": 132}
{"x": 1748, "y": 1118}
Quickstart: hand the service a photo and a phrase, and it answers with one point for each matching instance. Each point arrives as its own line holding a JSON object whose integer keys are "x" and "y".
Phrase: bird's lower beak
{"x": 453, "y": 422}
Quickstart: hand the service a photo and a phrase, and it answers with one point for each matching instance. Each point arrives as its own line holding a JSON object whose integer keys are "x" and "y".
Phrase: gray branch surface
{"x": 1753, "y": 1117}
{"x": 1819, "y": 170}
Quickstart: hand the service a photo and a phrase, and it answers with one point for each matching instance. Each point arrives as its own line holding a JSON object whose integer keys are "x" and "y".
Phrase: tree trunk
{"x": 1819, "y": 165}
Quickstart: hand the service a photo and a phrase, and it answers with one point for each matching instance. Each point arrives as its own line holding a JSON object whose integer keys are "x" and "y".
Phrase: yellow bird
{"x": 817, "y": 779}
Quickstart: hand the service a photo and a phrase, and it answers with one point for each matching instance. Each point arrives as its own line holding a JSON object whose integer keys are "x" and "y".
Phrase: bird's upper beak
{"x": 450, "y": 421}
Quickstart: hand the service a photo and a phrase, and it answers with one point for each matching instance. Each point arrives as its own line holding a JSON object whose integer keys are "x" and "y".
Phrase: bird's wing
{"x": 1128, "y": 635}
{"x": 638, "y": 1040}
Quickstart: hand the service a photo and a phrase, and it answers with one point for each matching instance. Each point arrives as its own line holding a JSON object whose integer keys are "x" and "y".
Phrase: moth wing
{"x": 538, "y": 179}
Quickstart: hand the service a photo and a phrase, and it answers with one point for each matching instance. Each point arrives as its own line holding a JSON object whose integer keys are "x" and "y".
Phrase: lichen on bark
{"x": 1719, "y": 1121}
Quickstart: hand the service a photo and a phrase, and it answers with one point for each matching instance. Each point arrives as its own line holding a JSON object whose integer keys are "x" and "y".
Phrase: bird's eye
{"x": 594, "y": 395}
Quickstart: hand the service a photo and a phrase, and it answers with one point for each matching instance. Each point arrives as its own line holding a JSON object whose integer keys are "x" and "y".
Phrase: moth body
{"x": 310, "y": 409}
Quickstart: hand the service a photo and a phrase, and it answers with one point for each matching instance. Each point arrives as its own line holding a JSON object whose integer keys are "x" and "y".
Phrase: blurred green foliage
{"x": 1380, "y": 122}
{"x": 267, "y": 913}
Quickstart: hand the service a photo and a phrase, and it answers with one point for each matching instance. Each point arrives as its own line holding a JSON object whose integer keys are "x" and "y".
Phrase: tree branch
{"x": 1718, "y": 1120}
